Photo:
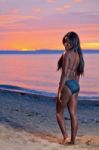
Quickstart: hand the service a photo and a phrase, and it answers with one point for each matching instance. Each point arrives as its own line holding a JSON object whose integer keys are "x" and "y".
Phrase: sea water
{"x": 37, "y": 72}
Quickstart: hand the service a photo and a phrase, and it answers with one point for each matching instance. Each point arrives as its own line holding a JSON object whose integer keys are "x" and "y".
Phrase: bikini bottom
{"x": 73, "y": 85}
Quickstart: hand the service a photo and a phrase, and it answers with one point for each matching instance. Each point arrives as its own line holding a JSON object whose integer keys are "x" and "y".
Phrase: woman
{"x": 71, "y": 64}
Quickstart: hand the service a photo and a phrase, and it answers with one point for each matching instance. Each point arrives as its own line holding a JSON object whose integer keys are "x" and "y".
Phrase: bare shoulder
{"x": 67, "y": 55}
{"x": 70, "y": 57}
{"x": 73, "y": 54}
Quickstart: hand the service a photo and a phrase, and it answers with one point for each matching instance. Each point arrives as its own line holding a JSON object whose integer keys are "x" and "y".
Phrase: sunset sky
{"x": 38, "y": 24}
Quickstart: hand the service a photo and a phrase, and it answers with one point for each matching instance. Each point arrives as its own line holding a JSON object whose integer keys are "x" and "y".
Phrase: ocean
{"x": 37, "y": 73}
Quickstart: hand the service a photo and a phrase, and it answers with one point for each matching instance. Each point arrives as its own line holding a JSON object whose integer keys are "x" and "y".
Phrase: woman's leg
{"x": 72, "y": 107}
{"x": 60, "y": 118}
{"x": 60, "y": 106}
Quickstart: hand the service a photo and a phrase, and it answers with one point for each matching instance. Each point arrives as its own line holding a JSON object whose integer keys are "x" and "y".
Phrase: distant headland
{"x": 42, "y": 51}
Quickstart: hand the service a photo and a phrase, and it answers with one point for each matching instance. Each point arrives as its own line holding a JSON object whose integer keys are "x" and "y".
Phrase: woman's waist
{"x": 72, "y": 78}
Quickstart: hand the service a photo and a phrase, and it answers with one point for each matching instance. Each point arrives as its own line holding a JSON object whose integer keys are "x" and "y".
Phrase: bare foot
{"x": 71, "y": 143}
{"x": 64, "y": 141}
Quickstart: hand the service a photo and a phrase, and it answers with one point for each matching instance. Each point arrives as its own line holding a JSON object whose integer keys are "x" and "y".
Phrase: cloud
{"x": 17, "y": 22}
{"x": 53, "y": 21}
{"x": 90, "y": 45}
{"x": 36, "y": 10}
{"x": 10, "y": 11}
{"x": 78, "y": 1}
{"x": 13, "y": 11}
{"x": 51, "y": 28}
{"x": 50, "y": 1}
{"x": 63, "y": 8}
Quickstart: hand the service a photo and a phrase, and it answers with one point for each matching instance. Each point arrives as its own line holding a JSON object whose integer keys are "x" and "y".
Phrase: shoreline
{"x": 16, "y": 89}
{"x": 29, "y": 119}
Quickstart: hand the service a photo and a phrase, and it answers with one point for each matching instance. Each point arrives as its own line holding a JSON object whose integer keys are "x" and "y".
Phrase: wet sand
{"x": 28, "y": 122}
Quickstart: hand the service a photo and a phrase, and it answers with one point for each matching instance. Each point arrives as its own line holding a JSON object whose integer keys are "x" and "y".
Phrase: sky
{"x": 41, "y": 24}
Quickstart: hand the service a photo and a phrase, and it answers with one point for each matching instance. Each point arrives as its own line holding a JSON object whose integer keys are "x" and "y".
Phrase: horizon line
{"x": 41, "y": 49}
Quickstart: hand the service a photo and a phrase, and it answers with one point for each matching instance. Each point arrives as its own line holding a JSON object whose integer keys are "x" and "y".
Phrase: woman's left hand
{"x": 59, "y": 97}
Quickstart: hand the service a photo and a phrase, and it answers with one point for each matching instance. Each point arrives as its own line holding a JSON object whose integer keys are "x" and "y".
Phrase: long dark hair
{"x": 74, "y": 41}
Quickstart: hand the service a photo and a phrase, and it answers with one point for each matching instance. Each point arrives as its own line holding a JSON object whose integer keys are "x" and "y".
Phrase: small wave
{"x": 25, "y": 90}
{"x": 18, "y": 89}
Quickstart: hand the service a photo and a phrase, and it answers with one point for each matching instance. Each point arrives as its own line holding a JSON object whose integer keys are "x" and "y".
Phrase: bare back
{"x": 71, "y": 59}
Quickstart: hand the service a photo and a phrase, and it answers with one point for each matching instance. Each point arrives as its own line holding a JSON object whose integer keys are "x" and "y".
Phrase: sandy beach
{"x": 28, "y": 122}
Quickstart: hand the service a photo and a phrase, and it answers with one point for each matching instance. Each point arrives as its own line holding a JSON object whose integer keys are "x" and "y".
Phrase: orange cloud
{"x": 63, "y": 8}
{"x": 52, "y": 38}
{"x": 31, "y": 40}
{"x": 91, "y": 45}
{"x": 88, "y": 32}
{"x": 45, "y": 38}
{"x": 26, "y": 32}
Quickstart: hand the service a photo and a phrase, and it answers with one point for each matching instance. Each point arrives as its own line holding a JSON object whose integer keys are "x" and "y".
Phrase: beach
{"x": 28, "y": 121}
{"x": 43, "y": 43}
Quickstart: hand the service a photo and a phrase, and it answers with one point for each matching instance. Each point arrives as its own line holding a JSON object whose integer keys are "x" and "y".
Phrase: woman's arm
{"x": 64, "y": 74}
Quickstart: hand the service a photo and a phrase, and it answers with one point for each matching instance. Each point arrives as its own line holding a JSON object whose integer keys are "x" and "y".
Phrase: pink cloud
{"x": 36, "y": 10}
{"x": 50, "y": 1}
{"x": 63, "y": 8}
{"x": 78, "y": 1}
{"x": 58, "y": 21}
{"x": 16, "y": 22}
{"x": 13, "y": 11}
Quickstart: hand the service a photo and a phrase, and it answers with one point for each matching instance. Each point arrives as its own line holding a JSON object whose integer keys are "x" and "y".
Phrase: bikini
{"x": 72, "y": 84}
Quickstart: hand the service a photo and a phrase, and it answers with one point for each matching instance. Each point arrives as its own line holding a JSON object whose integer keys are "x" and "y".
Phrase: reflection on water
{"x": 39, "y": 72}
